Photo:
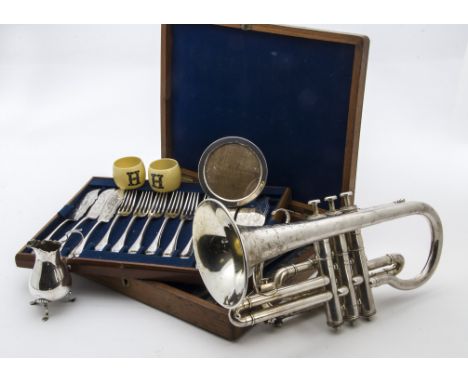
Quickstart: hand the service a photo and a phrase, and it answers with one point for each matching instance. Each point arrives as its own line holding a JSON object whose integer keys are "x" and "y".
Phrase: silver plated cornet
{"x": 340, "y": 277}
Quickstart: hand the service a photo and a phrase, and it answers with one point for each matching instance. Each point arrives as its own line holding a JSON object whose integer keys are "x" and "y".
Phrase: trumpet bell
{"x": 220, "y": 253}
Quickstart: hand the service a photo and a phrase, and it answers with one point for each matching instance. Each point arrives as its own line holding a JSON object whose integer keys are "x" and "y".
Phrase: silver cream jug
{"x": 50, "y": 279}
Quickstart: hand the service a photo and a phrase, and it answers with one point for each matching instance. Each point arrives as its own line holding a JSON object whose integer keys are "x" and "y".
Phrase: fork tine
{"x": 144, "y": 203}
{"x": 149, "y": 200}
{"x": 140, "y": 201}
{"x": 183, "y": 201}
{"x": 157, "y": 200}
{"x": 138, "y": 197}
{"x": 158, "y": 203}
{"x": 127, "y": 196}
{"x": 174, "y": 201}
{"x": 177, "y": 206}
{"x": 152, "y": 202}
{"x": 180, "y": 197}
{"x": 186, "y": 204}
{"x": 195, "y": 203}
{"x": 163, "y": 205}
{"x": 131, "y": 204}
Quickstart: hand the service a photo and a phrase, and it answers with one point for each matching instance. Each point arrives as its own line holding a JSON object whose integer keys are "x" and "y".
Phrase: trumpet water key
{"x": 342, "y": 276}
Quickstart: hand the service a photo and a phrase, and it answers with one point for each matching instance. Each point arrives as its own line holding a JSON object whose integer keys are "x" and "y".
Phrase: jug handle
{"x": 67, "y": 236}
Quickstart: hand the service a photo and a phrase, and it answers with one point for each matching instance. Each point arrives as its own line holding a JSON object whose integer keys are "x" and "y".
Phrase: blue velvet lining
{"x": 272, "y": 193}
{"x": 288, "y": 95}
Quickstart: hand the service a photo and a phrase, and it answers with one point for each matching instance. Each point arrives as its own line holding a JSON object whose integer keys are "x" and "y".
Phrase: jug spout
{"x": 44, "y": 249}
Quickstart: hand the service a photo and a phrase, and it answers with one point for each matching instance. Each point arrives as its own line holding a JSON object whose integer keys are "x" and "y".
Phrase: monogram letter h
{"x": 133, "y": 178}
{"x": 156, "y": 180}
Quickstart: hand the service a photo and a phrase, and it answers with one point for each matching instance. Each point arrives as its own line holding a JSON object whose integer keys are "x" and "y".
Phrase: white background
{"x": 73, "y": 98}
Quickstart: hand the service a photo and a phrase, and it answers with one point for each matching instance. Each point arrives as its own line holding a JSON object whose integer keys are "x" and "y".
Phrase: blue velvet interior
{"x": 288, "y": 95}
{"x": 272, "y": 193}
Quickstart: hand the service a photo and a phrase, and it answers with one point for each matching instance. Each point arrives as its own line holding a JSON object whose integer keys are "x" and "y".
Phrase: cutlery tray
{"x": 124, "y": 264}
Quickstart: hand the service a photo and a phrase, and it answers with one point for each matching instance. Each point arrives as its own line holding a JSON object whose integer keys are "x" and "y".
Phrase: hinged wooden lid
{"x": 296, "y": 93}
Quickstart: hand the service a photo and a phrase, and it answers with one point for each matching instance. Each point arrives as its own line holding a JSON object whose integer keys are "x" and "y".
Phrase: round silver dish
{"x": 233, "y": 170}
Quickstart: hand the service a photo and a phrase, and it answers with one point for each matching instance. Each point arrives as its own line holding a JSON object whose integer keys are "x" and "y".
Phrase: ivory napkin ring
{"x": 129, "y": 173}
{"x": 164, "y": 175}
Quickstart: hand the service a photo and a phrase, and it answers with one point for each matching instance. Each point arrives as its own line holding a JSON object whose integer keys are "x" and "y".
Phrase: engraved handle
{"x": 121, "y": 242}
{"x": 173, "y": 244}
{"x": 105, "y": 240}
{"x": 137, "y": 244}
{"x": 151, "y": 250}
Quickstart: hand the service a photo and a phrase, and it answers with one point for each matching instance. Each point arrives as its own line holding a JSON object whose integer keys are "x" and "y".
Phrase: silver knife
{"x": 102, "y": 211}
{"x": 253, "y": 216}
{"x": 78, "y": 212}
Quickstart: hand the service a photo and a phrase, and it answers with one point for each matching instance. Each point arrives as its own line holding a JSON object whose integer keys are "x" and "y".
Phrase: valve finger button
{"x": 314, "y": 204}
{"x": 346, "y": 202}
{"x": 331, "y": 202}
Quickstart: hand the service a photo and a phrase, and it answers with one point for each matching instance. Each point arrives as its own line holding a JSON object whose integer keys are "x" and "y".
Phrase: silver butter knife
{"x": 102, "y": 211}
{"x": 253, "y": 216}
{"x": 78, "y": 212}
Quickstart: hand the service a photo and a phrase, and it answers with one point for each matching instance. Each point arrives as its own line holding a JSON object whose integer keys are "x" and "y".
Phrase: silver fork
{"x": 141, "y": 210}
{"x": 186, "y": 214}
{"x": 156, "y": 210}
{"x": 188, "y": 249}
{"x": 173, "y": 210}
{"x": 125, "y": 209}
